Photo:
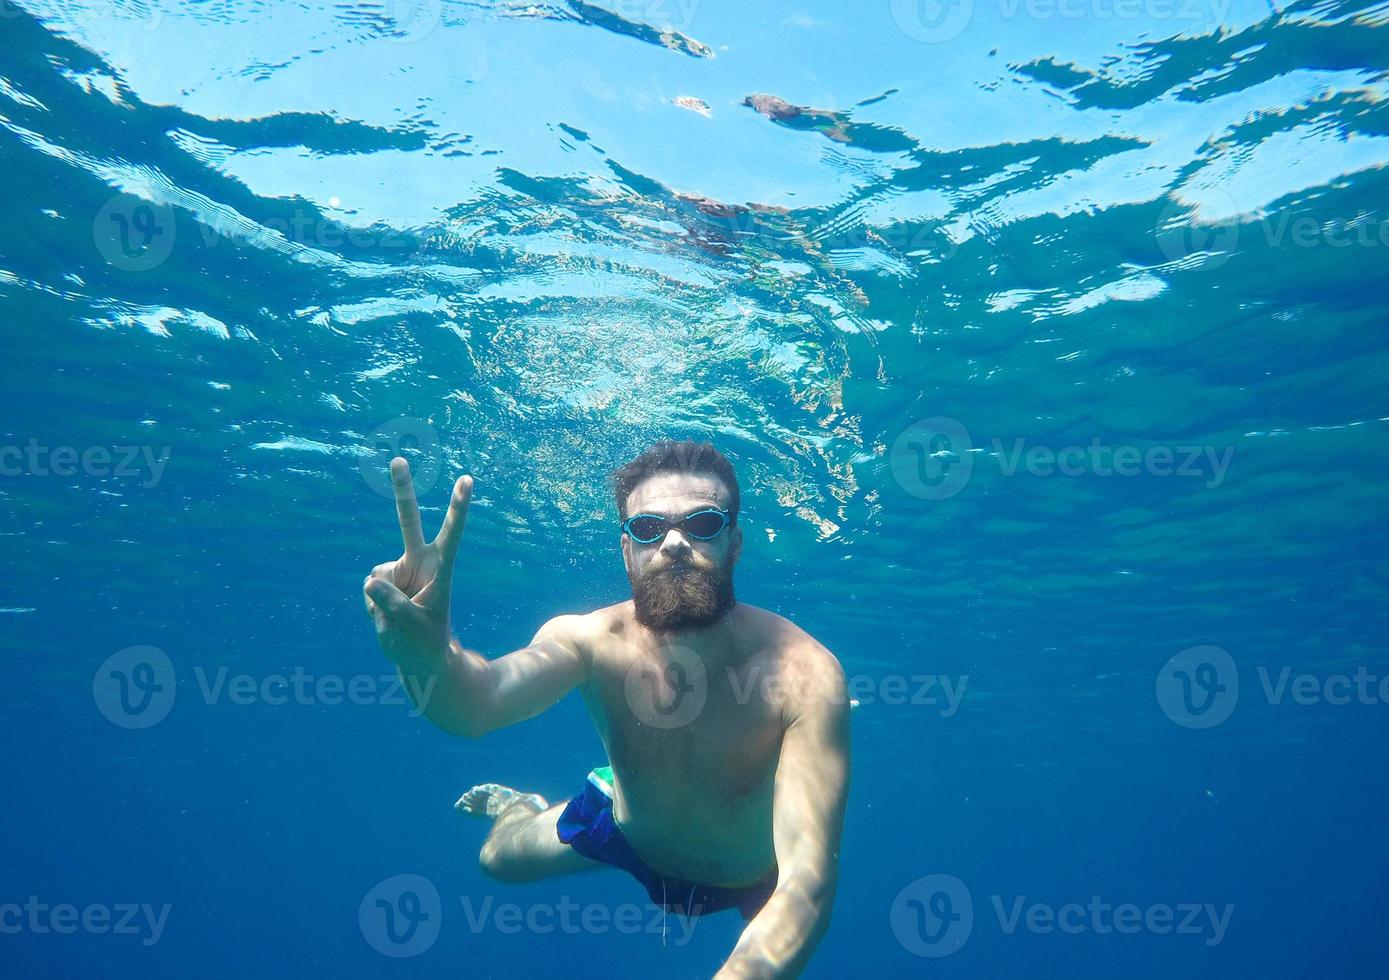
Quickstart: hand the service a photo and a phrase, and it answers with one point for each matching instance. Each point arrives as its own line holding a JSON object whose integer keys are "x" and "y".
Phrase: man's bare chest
{"x": 680, "y": 724}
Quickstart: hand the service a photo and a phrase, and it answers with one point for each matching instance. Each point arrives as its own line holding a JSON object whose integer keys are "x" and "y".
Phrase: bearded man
{"x": 726, "y": 726}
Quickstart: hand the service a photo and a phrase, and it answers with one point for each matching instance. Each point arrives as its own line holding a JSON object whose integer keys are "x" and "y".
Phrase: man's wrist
{"x": 422, "y": 661}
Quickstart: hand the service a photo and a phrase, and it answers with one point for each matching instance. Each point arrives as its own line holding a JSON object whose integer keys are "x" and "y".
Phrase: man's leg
{"x": 523, "y": 844}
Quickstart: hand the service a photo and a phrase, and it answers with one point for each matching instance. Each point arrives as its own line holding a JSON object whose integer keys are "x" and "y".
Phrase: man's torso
{"x": 693, "y": 739}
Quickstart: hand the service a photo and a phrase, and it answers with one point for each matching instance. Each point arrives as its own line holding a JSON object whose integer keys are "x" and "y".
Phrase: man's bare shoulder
{"x": 792, "y": 649}
{"x": 588, "y": 630}
{"x": 779, "y": 632}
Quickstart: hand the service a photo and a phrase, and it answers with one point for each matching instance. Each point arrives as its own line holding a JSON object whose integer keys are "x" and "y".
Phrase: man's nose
{"x": 675, "y": 544}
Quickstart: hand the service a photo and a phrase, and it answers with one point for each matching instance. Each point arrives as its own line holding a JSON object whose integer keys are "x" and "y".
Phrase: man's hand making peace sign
{"x": 460, "y": 691}
{"x": 409, "y": 598}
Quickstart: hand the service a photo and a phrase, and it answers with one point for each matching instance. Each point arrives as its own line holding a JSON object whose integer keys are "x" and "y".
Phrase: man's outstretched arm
{"x": 812, "y": 785}
{"x": 408, "y": 599}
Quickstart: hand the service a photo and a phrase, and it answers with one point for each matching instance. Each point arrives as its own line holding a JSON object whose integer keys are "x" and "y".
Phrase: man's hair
{"x": 686, "y": 457}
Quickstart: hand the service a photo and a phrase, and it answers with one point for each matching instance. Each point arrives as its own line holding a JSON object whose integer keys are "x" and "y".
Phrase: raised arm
{"x": 458, "y": 690}
{"x": 812, "y": 785}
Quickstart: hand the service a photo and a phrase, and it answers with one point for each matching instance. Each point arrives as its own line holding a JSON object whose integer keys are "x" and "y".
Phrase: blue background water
{"x": 256, "y": 233}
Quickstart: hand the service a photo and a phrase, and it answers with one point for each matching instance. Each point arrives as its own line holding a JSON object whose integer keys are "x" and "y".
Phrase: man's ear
{"x": 737, "y": 543}
{"x": 627, "y": 553}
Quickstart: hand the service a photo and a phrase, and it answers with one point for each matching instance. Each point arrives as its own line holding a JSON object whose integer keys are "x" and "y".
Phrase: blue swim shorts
{"x": 587, "y": 825}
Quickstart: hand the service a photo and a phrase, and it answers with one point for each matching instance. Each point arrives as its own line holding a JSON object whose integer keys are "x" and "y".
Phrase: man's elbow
{"x": 813, "y": 892}
{"x": 824, "y": 910}
{"x": 464, "y": 723}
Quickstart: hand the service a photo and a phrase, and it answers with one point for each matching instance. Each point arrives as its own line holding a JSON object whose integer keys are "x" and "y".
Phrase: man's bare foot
{"x": 492, "y": 800}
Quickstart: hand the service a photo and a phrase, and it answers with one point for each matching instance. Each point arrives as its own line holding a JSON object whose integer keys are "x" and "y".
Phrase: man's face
{"x": 680, "y": 582}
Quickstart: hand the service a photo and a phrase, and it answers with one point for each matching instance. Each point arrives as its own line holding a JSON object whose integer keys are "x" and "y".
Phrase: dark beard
{"x": 682, "y": 597}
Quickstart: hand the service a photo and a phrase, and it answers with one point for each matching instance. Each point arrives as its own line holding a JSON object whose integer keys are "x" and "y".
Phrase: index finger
{"x": 452, "y": 531}
{"x": 406, "y": 508}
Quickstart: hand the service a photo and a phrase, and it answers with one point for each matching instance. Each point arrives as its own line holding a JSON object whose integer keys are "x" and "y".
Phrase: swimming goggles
{"x": 702, "y": 525}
